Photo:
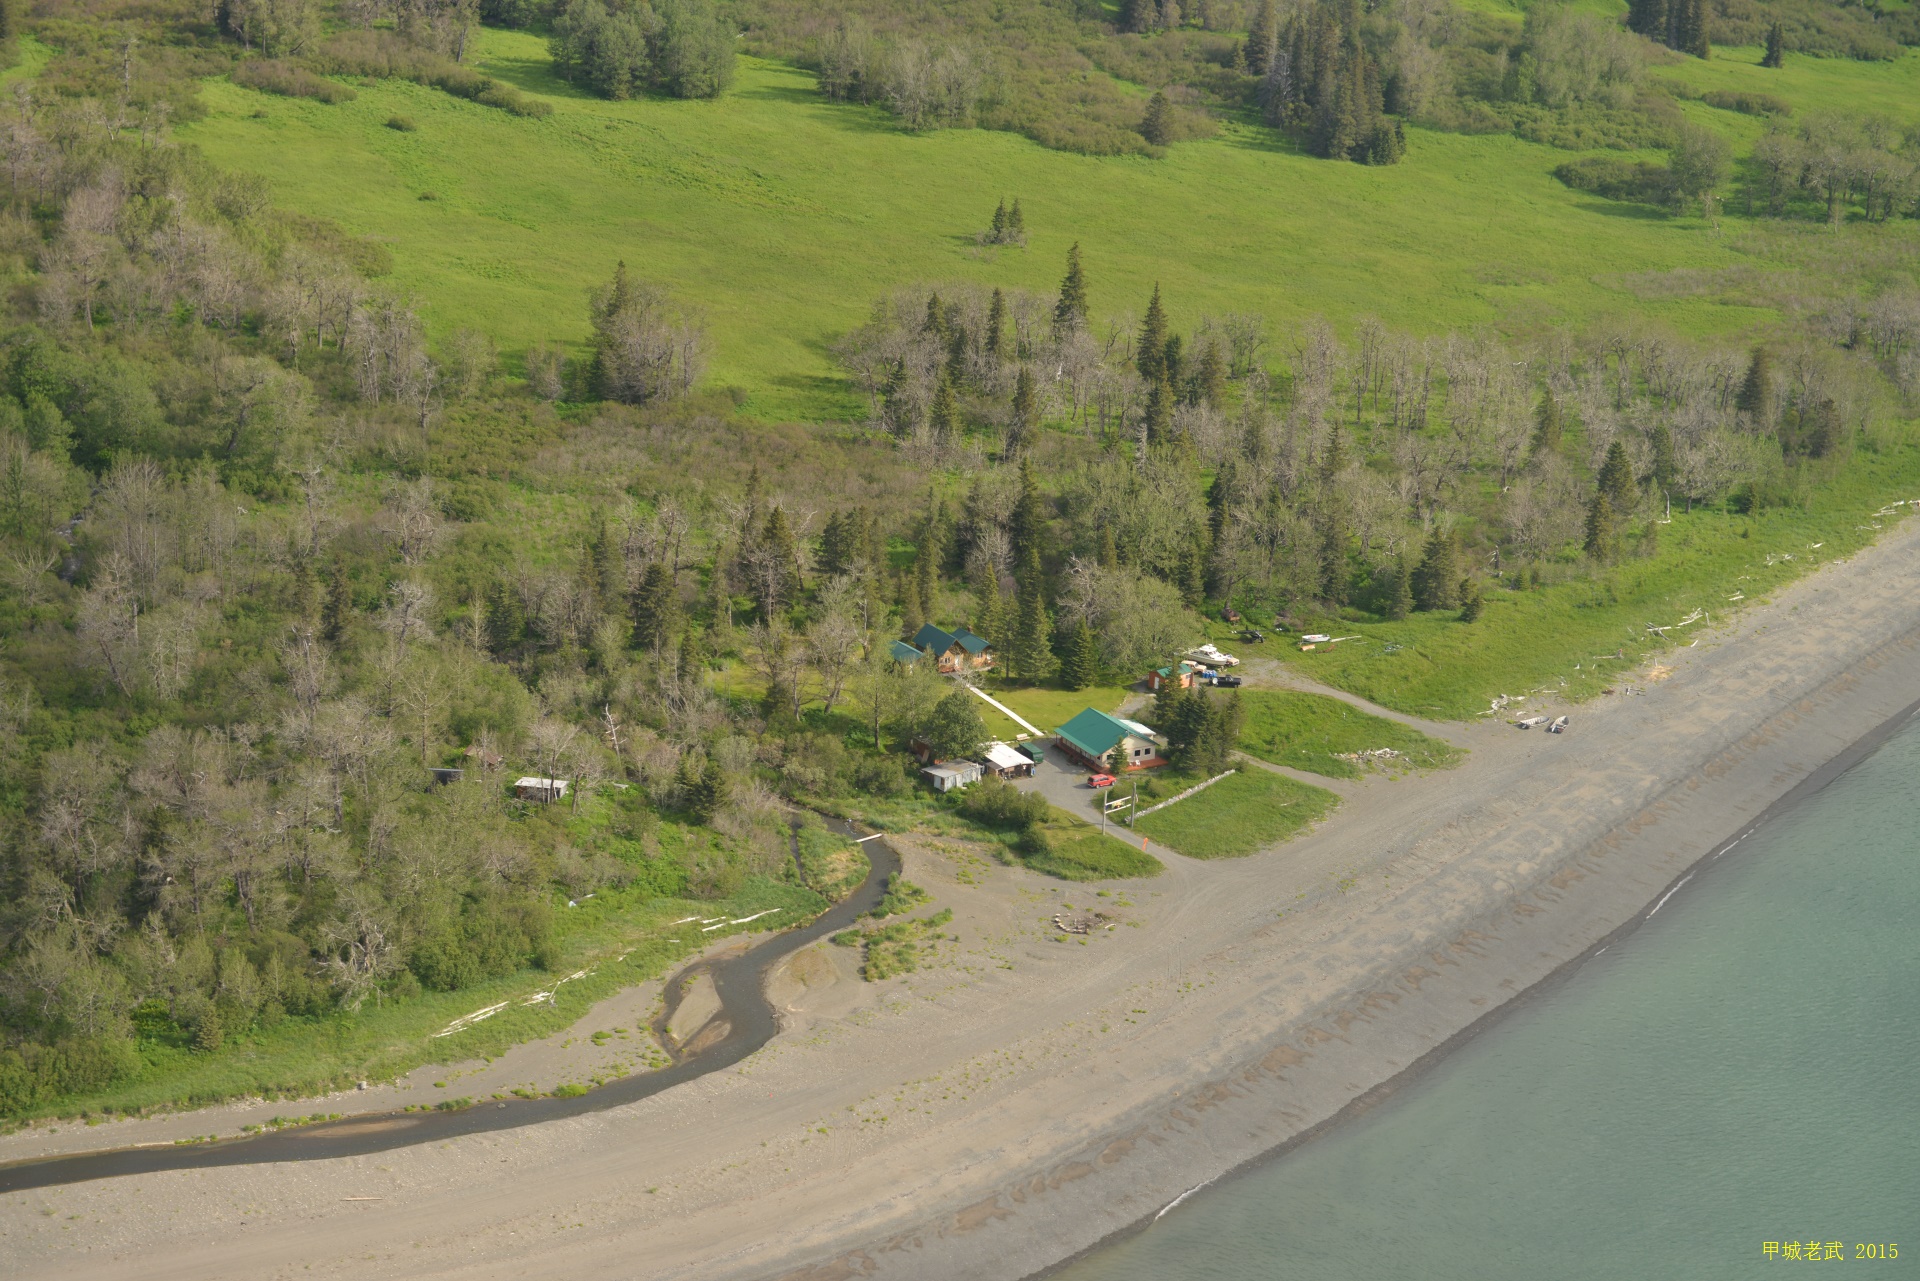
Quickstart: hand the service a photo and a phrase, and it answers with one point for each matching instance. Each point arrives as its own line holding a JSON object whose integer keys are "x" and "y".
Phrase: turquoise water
{"x": 1744, "y": 1068}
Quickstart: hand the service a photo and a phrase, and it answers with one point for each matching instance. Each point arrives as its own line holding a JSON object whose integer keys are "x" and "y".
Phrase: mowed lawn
{"x": 1240, "y": 815}
{"x": 1312, "y": 732}
{"x": 781, "y": 216}
{"x": 1051, "y": 708}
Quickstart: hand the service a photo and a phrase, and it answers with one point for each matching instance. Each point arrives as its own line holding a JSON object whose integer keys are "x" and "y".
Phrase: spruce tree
{"x": 1028, "y": 519}
{"x": 1016, "y": 224}
{"x": 1081, "y": 667}
{"x": 1616, "y": 479}
{"x": 336, "y": 616}
{"x": 1690, "y": 34}
{"x": 1173, "y": 359}
{"x": 1157, "y": 125}
{"x": 1756, "y": 391}
{"x": 1263, "y": 37}
{"x": 1823, "y": 433}
{"x": 1600, "y": 534}
{"x": 1546, "y": 427}
{"x": 1333, "y": 558}
{"x": 651, "y": 607}
{"x": 710, "y": 796}
{"x": 907, "y": 592}
{"x": 1193, "y": 574}
{"x": 506, "y": 621}
{"x": 935, "y": 323}
{"x": 1024, "y": 425}
{"x": 1650, "y": 538}
{"x": 926, "y": 577}
{"x": 988, "y": 606}
{"x": 1070, "y": 312}
{"x": 1208, "y": 383}
{"x": 836, "y": 544}
{"x": 1150, "y": 353}
{"x": 998, "y": 230}
{"x": 1666, "y": 467}
{"x": 1436, "y": 583}
{"x": 1400, "y": 600}
{"x": 778, "y": 543}
{"x": 944, "y": 416}
{"x": 1159, "y": 413}
{"x": 994, "y": 342}
{"x": 1032, "y": 628}
{"x": 1471, "y": 600}
{"x": 1109, "y": 548}
{"x": 1649, "y": 18}
{"x": 1776, "y": 55}
{"x": 896, "y": 404}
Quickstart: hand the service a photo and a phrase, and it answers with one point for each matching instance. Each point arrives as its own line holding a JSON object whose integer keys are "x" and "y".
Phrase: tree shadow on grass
{"x": 1625, "y": 209}
{"x": 534, "y": 75}
{"x": 823, "y": 395}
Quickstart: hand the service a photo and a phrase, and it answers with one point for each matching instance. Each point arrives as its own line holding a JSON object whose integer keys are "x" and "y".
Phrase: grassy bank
{"x": 1242, "y": 814}
{"x": 1315, "y": 733}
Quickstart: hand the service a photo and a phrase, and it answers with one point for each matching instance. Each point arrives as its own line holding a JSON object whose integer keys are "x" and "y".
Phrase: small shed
{"x": 901, "y": 652}
{"x": 541, "y": 789}
{"x": 949, "y": 776}
{"x": 1180, "y": 675}
{"x": 1007, "y": 762}
{"x": 441, "y": 777}
{"x": 1036, "y": 752}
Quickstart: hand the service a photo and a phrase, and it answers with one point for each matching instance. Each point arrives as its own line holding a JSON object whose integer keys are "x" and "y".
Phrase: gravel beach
{"x": 1026, "y": 1095}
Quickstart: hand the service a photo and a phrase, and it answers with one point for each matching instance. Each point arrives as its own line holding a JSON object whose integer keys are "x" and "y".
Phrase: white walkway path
{"x": 1019, "y": 720}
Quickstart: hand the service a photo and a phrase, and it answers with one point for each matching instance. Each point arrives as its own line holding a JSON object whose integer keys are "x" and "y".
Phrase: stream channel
{"x": 740, "y": 982}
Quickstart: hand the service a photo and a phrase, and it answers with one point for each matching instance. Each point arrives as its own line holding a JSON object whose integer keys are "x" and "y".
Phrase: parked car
{"x": 1099, "y": 780}
{"x": 1227, "y": 682}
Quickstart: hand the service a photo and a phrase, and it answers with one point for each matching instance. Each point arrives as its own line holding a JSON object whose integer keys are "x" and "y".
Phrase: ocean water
{"x": 1743, "y": 1069}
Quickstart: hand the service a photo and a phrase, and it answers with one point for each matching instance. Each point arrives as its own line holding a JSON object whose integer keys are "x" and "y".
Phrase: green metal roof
{"x": 902, "y": 652}
{"x": 937, "y": 640}
{"x": 1094, "y": 732}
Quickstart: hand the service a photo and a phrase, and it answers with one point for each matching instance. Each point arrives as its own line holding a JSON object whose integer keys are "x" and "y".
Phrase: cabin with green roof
{"x": 954, "y": 651}
{"x": 1110, "y": 743}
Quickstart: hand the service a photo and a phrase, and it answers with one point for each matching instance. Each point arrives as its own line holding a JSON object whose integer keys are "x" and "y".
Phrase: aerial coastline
{"x": 1019, "y": 1127}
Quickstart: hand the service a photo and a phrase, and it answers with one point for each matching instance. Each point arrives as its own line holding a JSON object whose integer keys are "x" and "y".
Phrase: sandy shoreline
{"x": 1027, "y": 1098}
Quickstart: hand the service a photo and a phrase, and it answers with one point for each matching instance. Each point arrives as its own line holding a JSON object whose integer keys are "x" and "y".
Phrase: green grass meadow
{"x": 1580, "y": 637}
{"x": 1240, "y": 815}
{"x": 1310, "y": 731}
{"x": 782, "y": 215}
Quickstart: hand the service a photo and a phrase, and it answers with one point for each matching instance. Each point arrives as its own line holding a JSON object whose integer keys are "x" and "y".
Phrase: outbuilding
{"x": 1007, "y": 762}
{"x": 1181, "y": 676}
{"x": 948, "y": 776}
{"x": 541, "y": 789}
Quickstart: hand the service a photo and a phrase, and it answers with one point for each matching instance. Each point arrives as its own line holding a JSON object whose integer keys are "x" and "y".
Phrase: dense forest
{"x": 270, "y": 557}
